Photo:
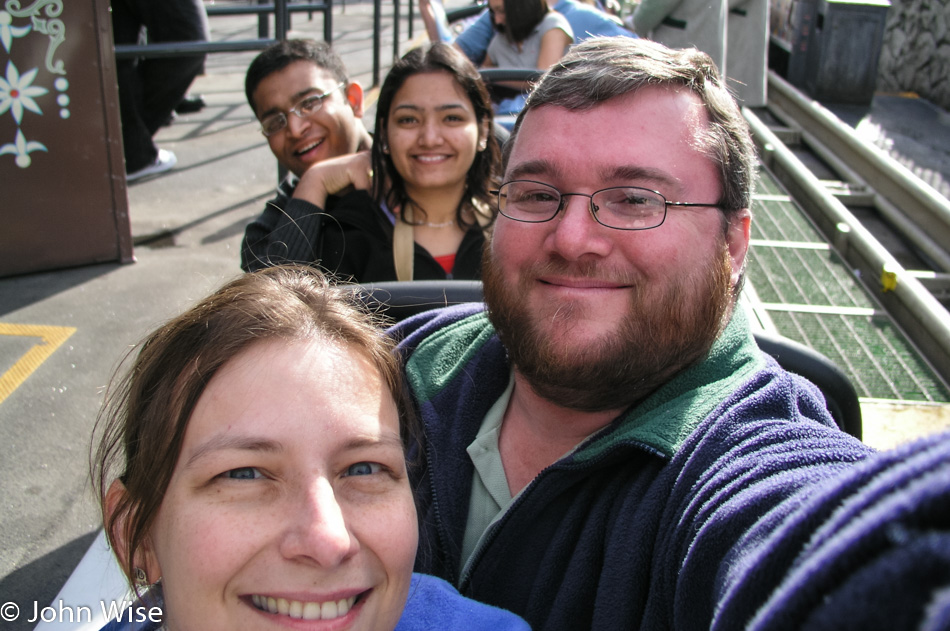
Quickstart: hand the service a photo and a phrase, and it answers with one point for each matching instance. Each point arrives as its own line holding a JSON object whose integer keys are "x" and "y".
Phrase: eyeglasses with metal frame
{"x": 617, "y": 207}
{"x": 307, "y": 106}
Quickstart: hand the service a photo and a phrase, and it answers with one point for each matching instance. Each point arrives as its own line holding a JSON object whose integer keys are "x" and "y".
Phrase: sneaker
{"x": 164, "y": 161}
{"x": 190, "y": 103}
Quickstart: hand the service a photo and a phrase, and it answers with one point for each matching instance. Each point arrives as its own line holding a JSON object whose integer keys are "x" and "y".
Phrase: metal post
{"x": 377, "y": 27}
{"x": 280, "y": 20}
{"x": 412, "y": 7}
{"x": 395, "y": 30}
{"x": 328, "y": 22}
{"x": 263, "y": 27}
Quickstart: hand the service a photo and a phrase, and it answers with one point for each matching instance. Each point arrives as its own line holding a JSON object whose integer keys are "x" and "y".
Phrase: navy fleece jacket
{"x": 656, "y": 522}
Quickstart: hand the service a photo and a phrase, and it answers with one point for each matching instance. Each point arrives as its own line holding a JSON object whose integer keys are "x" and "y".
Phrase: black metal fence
{"x": 281, "y": 10}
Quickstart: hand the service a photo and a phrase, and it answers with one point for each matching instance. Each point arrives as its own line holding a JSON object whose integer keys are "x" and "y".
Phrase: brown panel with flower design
{"x": 62, "y": 182}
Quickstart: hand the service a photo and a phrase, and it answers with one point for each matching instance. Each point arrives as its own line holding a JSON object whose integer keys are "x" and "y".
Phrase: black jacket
{"x": 352, "y": 239}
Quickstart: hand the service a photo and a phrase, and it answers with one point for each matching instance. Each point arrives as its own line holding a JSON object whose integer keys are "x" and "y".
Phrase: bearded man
{"x": 605, "y": 447}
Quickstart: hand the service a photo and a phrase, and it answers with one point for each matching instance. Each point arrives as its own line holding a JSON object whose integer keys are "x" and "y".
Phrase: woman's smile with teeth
{"x": 438, "y": 158}
{"x": 304, "y": 610}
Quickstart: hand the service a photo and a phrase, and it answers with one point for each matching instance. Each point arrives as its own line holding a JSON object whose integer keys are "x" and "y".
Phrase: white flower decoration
{"x": 16, "y": 93}
{"x": 22, "y": 149}
{"x": 8, "y": 31}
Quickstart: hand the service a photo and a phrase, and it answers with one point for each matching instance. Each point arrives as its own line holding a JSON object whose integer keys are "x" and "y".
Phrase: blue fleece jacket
{"x": 434, "y": 605}
{"x": 666, "y": 519}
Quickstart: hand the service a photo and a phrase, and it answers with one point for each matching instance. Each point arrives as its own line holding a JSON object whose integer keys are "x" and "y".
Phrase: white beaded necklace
{"x": 444, "y": 224}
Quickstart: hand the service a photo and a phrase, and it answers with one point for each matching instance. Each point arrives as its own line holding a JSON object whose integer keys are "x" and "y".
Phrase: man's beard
{"x": 664, "y": 331}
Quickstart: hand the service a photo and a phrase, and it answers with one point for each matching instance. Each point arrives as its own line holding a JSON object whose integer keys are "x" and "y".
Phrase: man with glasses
{"x": 605, "y": 447}
{"x": 309, "y": 111}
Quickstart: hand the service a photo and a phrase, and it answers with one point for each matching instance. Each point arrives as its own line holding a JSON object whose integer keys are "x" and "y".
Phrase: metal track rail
{"x": 915, "y": 208}
{"x": 923, "y": 319}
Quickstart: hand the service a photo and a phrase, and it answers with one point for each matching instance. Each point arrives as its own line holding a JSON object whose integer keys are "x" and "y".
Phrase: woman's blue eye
{"x": 364, "y": 468}
{"x": 242, "y": 473}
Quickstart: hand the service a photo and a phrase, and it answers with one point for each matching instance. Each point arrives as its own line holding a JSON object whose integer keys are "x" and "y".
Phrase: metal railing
{"x": 280, "y": 9}
{"x": 455, "y": 14}
{"x": 378, "y": 30}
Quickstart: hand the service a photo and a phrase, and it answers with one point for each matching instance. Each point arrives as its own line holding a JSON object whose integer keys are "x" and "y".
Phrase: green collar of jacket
{"x": 662, "y": 421}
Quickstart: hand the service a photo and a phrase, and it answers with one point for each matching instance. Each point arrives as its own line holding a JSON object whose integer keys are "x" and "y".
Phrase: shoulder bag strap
{"x": 403, "y": 244}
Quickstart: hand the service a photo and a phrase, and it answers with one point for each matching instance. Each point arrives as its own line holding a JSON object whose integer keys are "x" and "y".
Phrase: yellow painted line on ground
{"x": 51, "y": 338}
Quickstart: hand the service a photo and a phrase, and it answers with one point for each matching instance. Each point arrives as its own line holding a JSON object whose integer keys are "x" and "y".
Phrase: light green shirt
{"x": 490, "y": 495}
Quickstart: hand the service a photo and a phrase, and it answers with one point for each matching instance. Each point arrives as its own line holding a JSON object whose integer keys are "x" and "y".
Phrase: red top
{"x": 447, "y": 262}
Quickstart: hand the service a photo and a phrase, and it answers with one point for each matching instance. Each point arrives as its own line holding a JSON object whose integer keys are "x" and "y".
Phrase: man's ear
{"x": 737, "y": 240}
{"x": 354, "y": 95}
{"x": 117, "y": 514}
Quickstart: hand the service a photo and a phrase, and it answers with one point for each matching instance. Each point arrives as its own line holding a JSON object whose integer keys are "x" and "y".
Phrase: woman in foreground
{"x": 252, "y": 469}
